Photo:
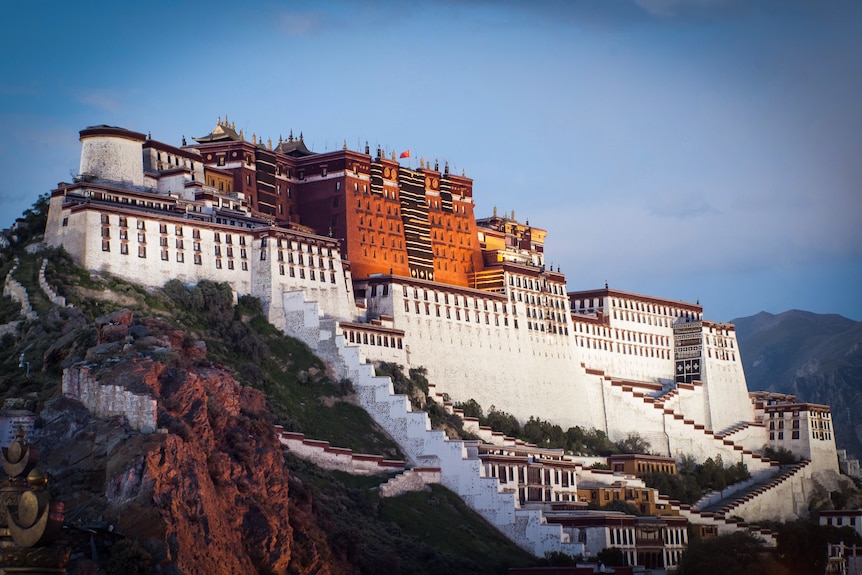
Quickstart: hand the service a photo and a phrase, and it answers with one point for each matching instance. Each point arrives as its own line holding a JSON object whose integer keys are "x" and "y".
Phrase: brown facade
{"x": 390, "y": 219}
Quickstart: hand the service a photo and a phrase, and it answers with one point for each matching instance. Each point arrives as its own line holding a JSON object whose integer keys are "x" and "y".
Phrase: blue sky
{"x": 695, "y": 150}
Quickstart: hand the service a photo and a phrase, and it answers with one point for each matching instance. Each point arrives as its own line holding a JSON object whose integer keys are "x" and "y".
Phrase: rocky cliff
{"x": 208, "y": 492}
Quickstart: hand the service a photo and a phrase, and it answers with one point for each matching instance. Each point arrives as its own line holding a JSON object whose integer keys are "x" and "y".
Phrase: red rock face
{"x": 210, "y": 495}
{"x": 219, "y": 481}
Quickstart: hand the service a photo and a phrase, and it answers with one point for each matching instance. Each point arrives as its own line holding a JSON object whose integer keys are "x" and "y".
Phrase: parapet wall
{"x": 322, "y": 454}
{"x": 110, "y": 400}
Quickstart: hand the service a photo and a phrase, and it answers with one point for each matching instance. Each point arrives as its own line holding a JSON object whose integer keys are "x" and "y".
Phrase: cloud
{"x": 299, "y": 23}
{"x": 104, "y": 100}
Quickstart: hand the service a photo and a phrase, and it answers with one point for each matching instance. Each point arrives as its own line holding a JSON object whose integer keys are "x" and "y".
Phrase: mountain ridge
{"x": 816, "y": 357}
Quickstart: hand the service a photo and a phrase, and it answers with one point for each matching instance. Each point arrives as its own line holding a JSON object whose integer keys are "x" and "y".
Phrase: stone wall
{"x": 140, "y": 411}
{"x": 322, "y": 454}
{"x": 13, "y": 289}
{"x": 48, "y": 289}
{"x": 416, "y": 479}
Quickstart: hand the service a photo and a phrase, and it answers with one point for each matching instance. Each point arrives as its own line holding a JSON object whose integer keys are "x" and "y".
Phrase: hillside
{"x": 816, "y": 357}
{"x": 213, "y": 490}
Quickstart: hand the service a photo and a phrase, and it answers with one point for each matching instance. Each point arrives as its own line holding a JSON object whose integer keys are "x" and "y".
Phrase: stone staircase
{"x": 460, "y": 467}
{"x": 685, "y": 427}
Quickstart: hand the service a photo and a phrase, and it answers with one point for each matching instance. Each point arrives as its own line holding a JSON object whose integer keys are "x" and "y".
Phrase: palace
{"x": 368, "y": 260}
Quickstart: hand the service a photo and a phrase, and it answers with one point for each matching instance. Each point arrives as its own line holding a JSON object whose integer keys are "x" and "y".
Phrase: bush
{"x": 128, "y": 557}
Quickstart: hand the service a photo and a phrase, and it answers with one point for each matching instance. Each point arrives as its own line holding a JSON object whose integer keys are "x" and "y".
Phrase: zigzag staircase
{"x": 460, "y": 468}
{"x": 722, "y": 443}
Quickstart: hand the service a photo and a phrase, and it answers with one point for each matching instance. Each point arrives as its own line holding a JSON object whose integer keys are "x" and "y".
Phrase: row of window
{"x": 448, "y": 313}
{"x": 625, "y": 349}
{"x": 291, "y": 271}
{"x": 456, "y": 299}
{"x": 375, "y": 339}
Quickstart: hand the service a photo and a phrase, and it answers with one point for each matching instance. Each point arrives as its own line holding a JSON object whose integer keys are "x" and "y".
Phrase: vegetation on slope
{"x": 694, "y": 480}
{"x": 429, "y": 532}
{"x": 381, "y": 536}
{"x": 576, "y": 440}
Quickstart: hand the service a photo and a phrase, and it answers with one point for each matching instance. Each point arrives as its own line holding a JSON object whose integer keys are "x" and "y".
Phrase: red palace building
{"x": 389, "y": 218}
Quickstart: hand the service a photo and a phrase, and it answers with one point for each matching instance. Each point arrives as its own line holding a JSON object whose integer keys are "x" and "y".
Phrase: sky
{"x": 698, "y": 150}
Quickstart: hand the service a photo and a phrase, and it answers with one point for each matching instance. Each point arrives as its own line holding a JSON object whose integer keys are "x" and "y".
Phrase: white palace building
{"x": 366, "y": 260}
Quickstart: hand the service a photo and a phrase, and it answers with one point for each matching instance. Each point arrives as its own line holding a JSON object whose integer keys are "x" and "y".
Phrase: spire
{"x": 394, "y": 159}
{"x": 344, "y": 146}
{"x": 254, "y": 138}
{"x": 269, "y": 143}
{"x": 241, "y": 136}
{"x": 290, "y": 138}
{"x": 495, "y": 211}
{"x": 300, "y": 135}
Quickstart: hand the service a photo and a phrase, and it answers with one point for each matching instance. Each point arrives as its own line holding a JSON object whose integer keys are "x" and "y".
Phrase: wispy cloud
{"x": 299, "y": 23}
{"x": 104, "y": 100}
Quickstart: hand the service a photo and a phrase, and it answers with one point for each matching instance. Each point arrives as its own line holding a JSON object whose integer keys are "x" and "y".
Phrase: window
{"x": 164, "y": 255}
{"x": 179, "y": 244}
{"x": 142, "y": 238}
{"x": 197, "y": 259}
{"x": 180, "y": 257}
{"x": 106, "y": 245}
{"x": 178, "y": 230}
{"x": 142, "y": 251}
{"x": 65, "y": 221}
{"x": 142, "y": 225}
{"x": 124, "y": 249}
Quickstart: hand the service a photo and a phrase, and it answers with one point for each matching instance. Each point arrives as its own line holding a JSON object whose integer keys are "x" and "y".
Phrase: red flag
{"x": 405, "y": 153}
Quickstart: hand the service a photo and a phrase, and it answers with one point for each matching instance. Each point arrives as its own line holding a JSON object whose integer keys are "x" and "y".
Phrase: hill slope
{"x": 816, "y": 357}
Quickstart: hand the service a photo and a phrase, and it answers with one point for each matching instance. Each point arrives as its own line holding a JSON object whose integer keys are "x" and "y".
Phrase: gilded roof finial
{"x": 218, "y": 122}
{"x": 269, "y": 143}
{"x": 300, "y": 135}
{"x": 241, "y": 136}
{"x": 421, "y": 163}
{"x": 394, "y": 159}
{"x": 495, "y": 211}
{"x": 254, "y": 138}
{"x": 279, "y": 139}
{"x": 290, "y": 137}
{"x": 233, "y": 126}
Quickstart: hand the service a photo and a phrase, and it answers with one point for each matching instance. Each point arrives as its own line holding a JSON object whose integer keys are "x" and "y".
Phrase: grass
{"x": 424, "y": 533}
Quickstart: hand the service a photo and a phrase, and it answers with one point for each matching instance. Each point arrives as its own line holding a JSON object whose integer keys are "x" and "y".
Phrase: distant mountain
{"x": 817, "y": 358}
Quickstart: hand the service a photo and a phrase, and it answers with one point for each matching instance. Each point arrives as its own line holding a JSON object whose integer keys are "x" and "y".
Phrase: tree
{"x": 633, "y": 443}
{"x": 471, "y": 408}
{"x": 612, "y": 557}
{"x": 739, "y": 552}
